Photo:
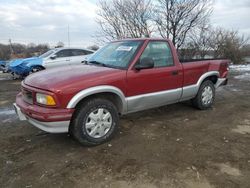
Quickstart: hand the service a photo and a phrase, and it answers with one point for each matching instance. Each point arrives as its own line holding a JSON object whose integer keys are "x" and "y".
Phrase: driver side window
{"x": 64, "y": 53}
{"x": 160, "y": 52}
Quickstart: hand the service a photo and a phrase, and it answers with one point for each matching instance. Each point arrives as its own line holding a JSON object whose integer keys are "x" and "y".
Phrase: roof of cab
{"x": 141, "y": 39}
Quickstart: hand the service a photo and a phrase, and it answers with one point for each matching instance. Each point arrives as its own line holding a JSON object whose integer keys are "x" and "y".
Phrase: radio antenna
{"x": 68, "y": 37}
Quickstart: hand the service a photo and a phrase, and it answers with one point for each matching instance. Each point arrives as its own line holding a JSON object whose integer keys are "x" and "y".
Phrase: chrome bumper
{"x": 19, "y": 113}
{"x": 220, "y": 82}
{"x": 51, "y": 127}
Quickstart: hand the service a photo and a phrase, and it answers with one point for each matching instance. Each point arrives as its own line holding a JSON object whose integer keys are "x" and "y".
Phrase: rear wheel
{"x": 205, "y": 96}
{"x": 95, "y": 122}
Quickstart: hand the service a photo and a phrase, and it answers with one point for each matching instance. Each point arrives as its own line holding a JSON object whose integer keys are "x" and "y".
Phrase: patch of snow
{"x": 228, "y": 169}
{"x": 7, "y": 115}
{"x": 229, "y": 87}
{"x": 240, "y": 68}
{"x": 7, "y": 112}
{"x": 3, "y": 79}
{"x": 8, "y": 120}
{"x": 245, "y": 76}
{"x": 235, "y": 90}
{"x": 242, "y": 129}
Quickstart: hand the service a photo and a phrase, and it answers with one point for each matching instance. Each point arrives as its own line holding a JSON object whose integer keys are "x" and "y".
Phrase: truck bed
{"x": 193, "y": 69}
{"x": 197, "y": 60}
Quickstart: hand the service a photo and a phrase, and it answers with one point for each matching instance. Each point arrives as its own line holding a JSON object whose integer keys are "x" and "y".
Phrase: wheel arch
{"x": 111, "y": 93}
{"x": 32, "y": 66}
{"x": 191, "y": 91}
{"x": 212, "y": 78}
{"x": 211, "y": 75}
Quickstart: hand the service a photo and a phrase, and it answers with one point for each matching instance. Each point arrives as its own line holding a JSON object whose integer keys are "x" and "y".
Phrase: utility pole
{"x": 68, "y": 37}
{"x": 11, "y": 49}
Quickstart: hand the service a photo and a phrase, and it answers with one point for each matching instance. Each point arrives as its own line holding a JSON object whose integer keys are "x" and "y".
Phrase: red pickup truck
{"x": 122, "y": 77}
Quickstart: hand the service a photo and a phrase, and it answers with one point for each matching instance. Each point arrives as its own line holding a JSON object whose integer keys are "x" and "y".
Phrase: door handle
{"x": 67, "y": 60}
{"x": 175, "y": 72}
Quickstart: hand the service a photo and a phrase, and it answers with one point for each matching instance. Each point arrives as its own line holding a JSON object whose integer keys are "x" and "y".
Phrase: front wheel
{"x": 205, "y": 96}
{"x": 36, "y": 69}
{"x": 95, "y": 122}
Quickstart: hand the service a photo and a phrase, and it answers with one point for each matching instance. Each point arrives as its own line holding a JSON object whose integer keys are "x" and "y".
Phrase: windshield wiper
{"x": 97, "y": 63}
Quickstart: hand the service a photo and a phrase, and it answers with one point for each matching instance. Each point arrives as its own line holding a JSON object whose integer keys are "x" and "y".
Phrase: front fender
{"x": 34, "y": 62}
{"x": 95, "y": 90}
{"x": 23, "y": 66}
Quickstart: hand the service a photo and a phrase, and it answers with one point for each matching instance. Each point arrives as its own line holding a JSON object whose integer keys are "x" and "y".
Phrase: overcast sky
{"x": 46, "y": 21}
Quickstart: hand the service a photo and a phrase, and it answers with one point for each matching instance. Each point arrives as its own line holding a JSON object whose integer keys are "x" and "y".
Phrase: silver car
{"x": 64, "y": 56}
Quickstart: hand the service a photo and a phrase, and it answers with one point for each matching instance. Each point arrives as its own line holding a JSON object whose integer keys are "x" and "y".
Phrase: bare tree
{"x": 197, "y": 43}
{"x": 176, "y": 18}
{"x": 59, "y": 45}
{"x": 200, "y": 38}
{"x": 227, "y": 44}
{"x": 93, "y": 47}
{"x": 216, "y": 43}
{"x": 120, "y": 19}
{"x": 246, "y": 50}
{"x": 21, "y": 50}
{"x": 4, "y": 52}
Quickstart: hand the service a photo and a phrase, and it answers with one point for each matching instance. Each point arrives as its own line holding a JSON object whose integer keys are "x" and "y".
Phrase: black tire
{"x": 78, "y": 124}
{"x": 198, "y": 101}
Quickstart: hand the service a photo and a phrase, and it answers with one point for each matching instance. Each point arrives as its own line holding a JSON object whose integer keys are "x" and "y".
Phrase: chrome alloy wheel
{"x": 98, "y": 123}
{"x": 207, "y": 95}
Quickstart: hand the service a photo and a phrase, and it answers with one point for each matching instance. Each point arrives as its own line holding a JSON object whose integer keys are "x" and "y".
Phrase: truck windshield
{"x": 115, "y": 54}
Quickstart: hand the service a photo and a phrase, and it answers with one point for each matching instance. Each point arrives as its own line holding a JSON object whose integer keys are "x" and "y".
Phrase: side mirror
{"x": 84, "y": 62}
{"x": 53, "y": 56}
{"x": 145, "y": 63}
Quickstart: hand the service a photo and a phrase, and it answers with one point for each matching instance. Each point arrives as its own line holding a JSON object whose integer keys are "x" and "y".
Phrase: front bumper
{"x": 43, "y": 114}
{"x": 51, "y": 127}
{"x": 20, "y": 69}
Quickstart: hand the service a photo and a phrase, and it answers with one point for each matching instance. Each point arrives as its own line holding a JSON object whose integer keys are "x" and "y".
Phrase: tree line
{"x": 185, "y": 22}
{"x": 17, "y": 50}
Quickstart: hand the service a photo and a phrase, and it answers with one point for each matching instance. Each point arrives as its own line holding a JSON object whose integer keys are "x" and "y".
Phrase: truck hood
{"x": 69, "y": 78}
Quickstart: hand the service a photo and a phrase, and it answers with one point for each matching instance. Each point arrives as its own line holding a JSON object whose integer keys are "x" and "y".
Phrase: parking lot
{"x": 172, "y": 146}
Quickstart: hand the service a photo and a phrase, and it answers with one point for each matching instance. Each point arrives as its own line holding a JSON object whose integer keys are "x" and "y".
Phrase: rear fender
{"x": 191, "y": 91}
{"x": 206, "y": 75}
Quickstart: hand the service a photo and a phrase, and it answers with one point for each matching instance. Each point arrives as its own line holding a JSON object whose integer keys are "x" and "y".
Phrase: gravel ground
{"x": 172, "y": 146}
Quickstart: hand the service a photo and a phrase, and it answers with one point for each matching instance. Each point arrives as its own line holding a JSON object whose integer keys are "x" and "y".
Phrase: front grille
{"x": 27, "y": 96}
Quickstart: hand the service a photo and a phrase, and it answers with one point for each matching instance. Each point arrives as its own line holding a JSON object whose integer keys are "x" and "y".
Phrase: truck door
{"x": 156, "y": 86}
{"x": 60, "y": 58}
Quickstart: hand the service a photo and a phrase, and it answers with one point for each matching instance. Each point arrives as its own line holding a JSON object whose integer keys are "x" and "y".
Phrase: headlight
{"x": 45, "y": 99}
